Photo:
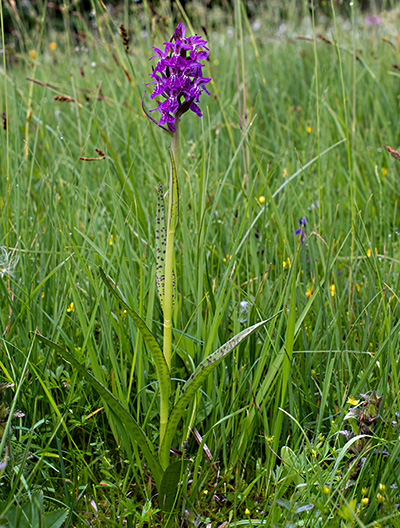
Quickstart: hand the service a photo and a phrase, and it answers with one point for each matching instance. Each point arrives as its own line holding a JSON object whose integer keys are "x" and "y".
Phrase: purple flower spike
{"x": 178, "y": 77}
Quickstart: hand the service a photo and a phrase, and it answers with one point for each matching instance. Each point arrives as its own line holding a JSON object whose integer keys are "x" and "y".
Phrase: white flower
{"x": 8, "y": 261}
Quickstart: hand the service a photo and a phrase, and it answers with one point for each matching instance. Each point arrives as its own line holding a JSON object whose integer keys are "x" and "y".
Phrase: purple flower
{"x": 178, "y": 77}
{"x": 302, "y": 222}
{"x": 373, "y": 20}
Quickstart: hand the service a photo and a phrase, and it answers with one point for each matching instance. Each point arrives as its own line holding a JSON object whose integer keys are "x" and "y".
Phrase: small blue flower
{"x": 302, "y": 229}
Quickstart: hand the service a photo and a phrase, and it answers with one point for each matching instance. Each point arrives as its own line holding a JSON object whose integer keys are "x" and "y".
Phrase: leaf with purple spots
{"x": 161, "y": 243}
{"x": 198, "y": 377}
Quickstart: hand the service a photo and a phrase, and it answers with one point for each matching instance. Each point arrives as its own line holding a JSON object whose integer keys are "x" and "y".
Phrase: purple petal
{"x": 196, "y": 109}
{"x": 179, "y": 32}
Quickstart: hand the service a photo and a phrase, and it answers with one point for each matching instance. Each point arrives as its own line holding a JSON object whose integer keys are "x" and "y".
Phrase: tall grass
{"x": 310, "y": 145}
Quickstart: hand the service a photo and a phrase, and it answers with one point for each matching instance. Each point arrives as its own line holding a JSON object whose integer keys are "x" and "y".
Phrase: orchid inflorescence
{"x": 179, "y": 81}
{"x": 178, "y": 77}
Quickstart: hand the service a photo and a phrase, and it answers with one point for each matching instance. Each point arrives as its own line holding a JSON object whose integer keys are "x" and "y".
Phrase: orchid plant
{"x": 178, "y": 82}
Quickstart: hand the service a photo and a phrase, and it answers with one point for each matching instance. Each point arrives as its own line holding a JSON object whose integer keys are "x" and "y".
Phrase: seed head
{"x": 124, "y": 36}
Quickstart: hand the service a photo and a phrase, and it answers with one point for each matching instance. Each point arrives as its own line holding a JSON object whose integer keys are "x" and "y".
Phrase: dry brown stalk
{"x": 388, "y": 41}
{"x": 324, "y": 38}
{"x": 393, "y": 152}
{"x": 302, "y": 37}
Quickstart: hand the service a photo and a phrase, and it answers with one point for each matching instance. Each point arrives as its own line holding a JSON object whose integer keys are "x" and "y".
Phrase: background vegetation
{"x": 295, "y": 128}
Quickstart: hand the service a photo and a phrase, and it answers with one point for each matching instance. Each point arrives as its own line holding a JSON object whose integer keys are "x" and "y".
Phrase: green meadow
{"x": 288, "y": 213}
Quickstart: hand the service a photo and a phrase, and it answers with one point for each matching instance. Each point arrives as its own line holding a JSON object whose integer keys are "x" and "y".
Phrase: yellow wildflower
{"x": 332, "y": 289}
{"x": 326, "y": 490}
{"x": 247, "y": 511}
{"x": 32, "y": 54}
{"x": 52, "y": 45}
{"x": 71, "y": 308}
{"x": 42, "y": 295}
{"x": 364, "y": 491}
{"x": 365, "y": 501}
{"x": 382, "y": 487}
{"x": 384, "y": 171}
{"x": 352, "y": 401}
{"x": 309, "y": 291}
{"x": 309, "y": 130}
{"x": 261, "y": 199}
{"x": 287, "y": 263}
{"x": 380, "y": 498}
{"x": 284, "y": 173}
{"x": 110, "y": 241}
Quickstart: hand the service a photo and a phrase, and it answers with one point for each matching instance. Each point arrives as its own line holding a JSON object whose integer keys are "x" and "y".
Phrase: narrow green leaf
{"x": 169, "y": 485}
{"x": 325, "y": 393}
{"x": 341, "y": 454}
{"x": 161, "y": 244}
{"x": 135, "y": 431}
{"x": 288, "y": 353}
{"x": 290, "y": 333}
{"x": 49, "y": 275}
{"x": 199, "y": 375}
{"x": 151, "y": 342}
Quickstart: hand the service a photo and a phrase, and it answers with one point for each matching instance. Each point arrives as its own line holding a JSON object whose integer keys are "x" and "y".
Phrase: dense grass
{"x": 308, "y": 142}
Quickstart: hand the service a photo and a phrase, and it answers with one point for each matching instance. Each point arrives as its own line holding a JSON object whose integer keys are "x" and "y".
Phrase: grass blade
{"x": 154, "y": 348}
{"x": 136, "y": 433}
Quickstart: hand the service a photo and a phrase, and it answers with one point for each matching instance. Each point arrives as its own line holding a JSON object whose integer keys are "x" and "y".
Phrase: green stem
{"x": 163, "y": 453}
{"x": 169, "y": 283}
{"x": 169, "y": 252}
